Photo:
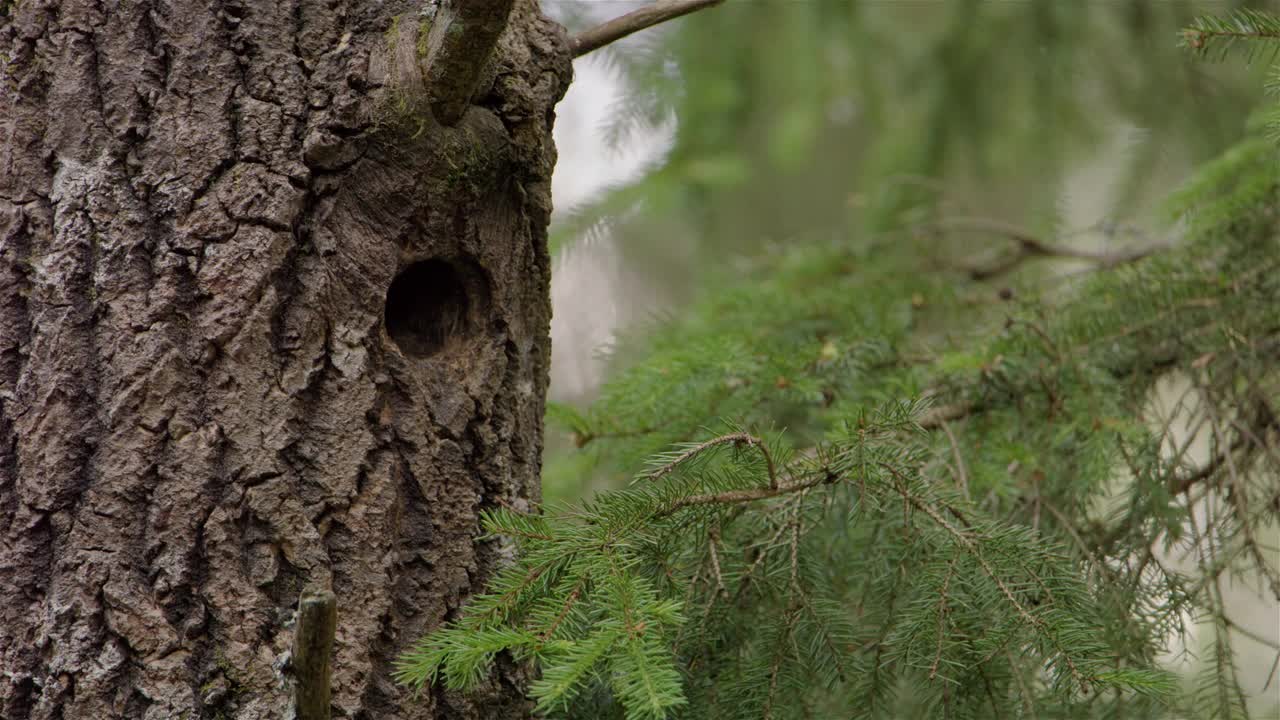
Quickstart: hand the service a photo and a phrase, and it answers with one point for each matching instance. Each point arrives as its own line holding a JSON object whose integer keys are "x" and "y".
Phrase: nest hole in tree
{"x": 428, "y": 308}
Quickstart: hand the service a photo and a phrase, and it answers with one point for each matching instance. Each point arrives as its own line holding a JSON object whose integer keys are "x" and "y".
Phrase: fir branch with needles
{"x": 600, "y": 594}
{"x": 1256, "y": 31}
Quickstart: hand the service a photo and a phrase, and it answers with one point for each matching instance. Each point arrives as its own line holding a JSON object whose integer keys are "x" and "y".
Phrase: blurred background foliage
{"x": 895, "y": 131}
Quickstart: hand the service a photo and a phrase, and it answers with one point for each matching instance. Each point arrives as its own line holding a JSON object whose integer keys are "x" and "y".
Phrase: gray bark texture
{"x": 265, "y": 325}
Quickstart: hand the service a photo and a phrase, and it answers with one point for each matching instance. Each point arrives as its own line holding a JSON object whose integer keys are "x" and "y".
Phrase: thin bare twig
{"x": 1239, "y": 497}
{"x": 1184, "y": 483}
{"x": 962, "y": 476}
{"x": 1049, "y": 344}
{"x": 1030, "y": 246}
{"x": 830, "y": 642}
{"x": 1250, "y": 634}
{"x": 774, "y": 670}
{"x": 939, "y": 414}
{"x": 1226, "y": 669}
{"x": 794, "y": 604}
{"x": 646, "y": 17}
{"x": 1023, "y": 691}
{"x": 1272, "y": 672}
{"x": 739, "y": 496}
{"x": 714, "y": 537}
{"x": 1266, "y": 447}
{"x": 795, "y": 542}
{"x": 1067, "y": 525}
{"x": 581, "y": 440}
{"x": 746, "y": 577}
{"x": 942, "y": 617}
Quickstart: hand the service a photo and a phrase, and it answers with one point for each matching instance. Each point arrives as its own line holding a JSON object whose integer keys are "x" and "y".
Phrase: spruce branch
{"x": 1245, "y": 26}
{"x": 646, "y": 17}
{"x": 737, "y": 438}
{"x": 505, "y": 602}
{"x": 966, "y": 542}
{"x": 564, "y": 611}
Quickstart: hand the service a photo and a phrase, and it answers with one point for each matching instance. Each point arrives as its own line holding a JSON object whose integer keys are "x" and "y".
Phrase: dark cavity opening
{"x": 427, "y": 308}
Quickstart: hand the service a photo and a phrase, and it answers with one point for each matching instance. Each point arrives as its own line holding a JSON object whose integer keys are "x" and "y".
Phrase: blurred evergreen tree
{"x": 802, "y": 117}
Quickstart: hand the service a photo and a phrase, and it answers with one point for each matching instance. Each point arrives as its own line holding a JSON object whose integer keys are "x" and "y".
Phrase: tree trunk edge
{"x": 201, "y": 412}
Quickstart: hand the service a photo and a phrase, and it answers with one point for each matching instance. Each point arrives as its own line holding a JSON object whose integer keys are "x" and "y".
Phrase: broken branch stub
{"x": 460, "y": 40}
{"x": 312, "y": 653}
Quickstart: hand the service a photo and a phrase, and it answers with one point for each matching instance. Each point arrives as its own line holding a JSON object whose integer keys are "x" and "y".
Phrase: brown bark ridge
{"x": 264, "y": 326}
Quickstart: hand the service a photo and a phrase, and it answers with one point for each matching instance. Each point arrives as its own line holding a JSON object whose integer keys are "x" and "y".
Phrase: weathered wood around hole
{"x": 312, "y": 652}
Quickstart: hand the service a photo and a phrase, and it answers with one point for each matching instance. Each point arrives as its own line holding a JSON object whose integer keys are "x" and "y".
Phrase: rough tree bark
{"x": 265, "y": 324}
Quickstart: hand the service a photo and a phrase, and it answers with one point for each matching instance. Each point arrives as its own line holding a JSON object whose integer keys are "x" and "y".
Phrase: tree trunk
{"x": 265, "y": 325}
